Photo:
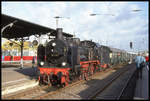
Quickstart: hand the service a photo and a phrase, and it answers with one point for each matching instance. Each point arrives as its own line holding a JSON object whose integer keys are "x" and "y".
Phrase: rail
{"x": 113, "y": 79}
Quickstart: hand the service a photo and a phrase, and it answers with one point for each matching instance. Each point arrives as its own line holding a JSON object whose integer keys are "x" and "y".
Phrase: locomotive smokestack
{"x": 59, "y": 34}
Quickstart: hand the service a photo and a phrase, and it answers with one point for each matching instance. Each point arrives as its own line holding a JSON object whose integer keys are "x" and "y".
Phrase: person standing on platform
{"x": 139, "y": 60}
{"x": 147, "y": 61}
{"x": 143, "y": 61}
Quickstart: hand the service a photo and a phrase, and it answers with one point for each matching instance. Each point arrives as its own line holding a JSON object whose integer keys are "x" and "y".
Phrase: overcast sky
{"x": 115, "y": 31}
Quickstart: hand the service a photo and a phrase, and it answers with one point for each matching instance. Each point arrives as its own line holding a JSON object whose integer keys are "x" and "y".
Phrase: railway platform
{"x": 142, "y": 85}
{"x": 15, "y": 79}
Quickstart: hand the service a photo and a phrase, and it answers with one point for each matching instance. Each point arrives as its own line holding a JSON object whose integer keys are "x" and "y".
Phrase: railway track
{"x": 130, "y": 82}
{"x": 69, "y": 86}
{"x": 75, "y": 83}
{"x": 58, "y": 90}
{"x": 46, "y": 91}
{"x": 110, "y": 91}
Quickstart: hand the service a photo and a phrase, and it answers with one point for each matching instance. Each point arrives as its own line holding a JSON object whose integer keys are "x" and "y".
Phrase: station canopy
{"x": 22, "y": 28}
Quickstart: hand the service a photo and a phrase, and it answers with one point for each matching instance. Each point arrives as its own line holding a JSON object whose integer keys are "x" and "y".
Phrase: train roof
{"x": 105, "y": 47}
{"x": 98, "y": 45}
{"x": 90, "y": 43}
{"x": 116, "y": 50}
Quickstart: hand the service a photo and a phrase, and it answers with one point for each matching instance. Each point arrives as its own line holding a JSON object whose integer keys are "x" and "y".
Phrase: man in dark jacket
{"x": 140, "y": 61}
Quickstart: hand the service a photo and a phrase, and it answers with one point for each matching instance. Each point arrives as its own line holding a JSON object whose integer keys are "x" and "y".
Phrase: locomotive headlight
{"x": 53, "y": 44}
{"x": 63, "y": 63}
{"x": 42, "y": 63}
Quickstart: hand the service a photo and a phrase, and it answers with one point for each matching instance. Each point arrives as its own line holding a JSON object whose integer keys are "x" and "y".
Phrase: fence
{"x": 17, "y": 58}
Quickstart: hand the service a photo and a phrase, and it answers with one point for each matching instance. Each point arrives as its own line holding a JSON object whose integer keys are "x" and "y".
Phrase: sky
{"x": 115, "y": 31}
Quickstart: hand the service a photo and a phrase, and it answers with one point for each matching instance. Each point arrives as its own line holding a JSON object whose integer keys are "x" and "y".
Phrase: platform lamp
{"x": 57, "y": 17}
{"x": 136, "y": 10}
{"x": 94, "y": 14}
{"x": 8, "y": 25}
{"x": 34, "y": 43}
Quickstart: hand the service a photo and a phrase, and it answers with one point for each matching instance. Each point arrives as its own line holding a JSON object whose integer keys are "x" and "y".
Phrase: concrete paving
{"x": 142, "y": 85}
{"x": 14, "y": 79}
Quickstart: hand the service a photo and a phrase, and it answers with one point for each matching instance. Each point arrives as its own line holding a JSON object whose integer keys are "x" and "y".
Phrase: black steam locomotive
{"x": 64, "y": 59}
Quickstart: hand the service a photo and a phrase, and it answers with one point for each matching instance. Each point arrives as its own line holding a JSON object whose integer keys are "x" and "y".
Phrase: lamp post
{"x": 57, "y": 17}
{"x": 8, "y": 25}
{"x": 94, "y": 14}
{"x": 136, "y": 10}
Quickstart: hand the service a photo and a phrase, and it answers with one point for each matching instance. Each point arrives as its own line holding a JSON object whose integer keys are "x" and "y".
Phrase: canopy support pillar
{"x": 21, "y": 46}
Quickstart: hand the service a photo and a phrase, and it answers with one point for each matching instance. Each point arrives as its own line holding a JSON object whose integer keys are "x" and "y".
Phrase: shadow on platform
{"x": 30, "y": 72}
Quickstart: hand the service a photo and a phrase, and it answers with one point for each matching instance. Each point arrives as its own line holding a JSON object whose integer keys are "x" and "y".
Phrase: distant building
{"x": 15, "y": 51}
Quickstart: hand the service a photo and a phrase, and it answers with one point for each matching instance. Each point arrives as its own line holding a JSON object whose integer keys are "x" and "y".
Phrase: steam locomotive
{"x": 62, "y": 60}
